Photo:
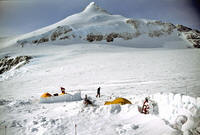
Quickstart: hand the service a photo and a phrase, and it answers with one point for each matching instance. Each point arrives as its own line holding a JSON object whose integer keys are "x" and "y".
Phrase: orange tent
{"x": 121, "y": 101}
{"x": 46, "y": 95}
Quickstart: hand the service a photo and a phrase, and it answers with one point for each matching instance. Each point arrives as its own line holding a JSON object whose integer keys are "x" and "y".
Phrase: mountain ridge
{"x": 95, "y": 24}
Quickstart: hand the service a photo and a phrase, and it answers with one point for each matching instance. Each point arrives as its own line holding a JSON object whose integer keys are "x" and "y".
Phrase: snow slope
{"x": 120, "y": 71}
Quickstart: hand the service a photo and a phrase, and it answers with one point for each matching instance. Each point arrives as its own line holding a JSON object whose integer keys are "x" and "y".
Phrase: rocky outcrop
{"x": 134, "y": 23}
{"x": 193, "y": 36}
{"x": 22, "y": 43}
{"x": 155, "y": 33}
{"x": 169, "y": 26}
{"x": 63, "y": 38}
{"x": 110, "y": 37}
{"x": 165, "y": 28}
{"x": 7, "y": 62}
{"x": 60, "y": 31}
{"x": 42, "y": 40}
{"x": 94, "y": 37}
{"x": 35, "y": 41}
{"x": 182, "y": 28}
{"x": 125, "y": 36}
{"x": 196, "y": 43}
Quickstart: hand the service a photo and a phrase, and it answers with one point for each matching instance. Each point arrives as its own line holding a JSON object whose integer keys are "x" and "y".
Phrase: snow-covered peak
{"x": 95, "y": 24}
{"x": 93, "y": 8}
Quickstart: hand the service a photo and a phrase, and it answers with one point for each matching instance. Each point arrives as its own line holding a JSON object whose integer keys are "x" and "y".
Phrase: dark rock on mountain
{"x": 42, "y": 40}
{"x": 7, "y": 62}
{"x": 92, "y": 37}
{"x": 182, "y": 28}
{"x": 193, "y": 36}
{"x": 58, "y": 32}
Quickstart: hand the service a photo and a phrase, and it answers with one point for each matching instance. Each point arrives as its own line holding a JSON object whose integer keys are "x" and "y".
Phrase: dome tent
{"x": 46, "y": 95}
{"x": 121, "y": 101}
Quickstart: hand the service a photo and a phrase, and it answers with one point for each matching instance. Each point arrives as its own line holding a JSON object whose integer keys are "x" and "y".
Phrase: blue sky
{"x": 22, "y": 16}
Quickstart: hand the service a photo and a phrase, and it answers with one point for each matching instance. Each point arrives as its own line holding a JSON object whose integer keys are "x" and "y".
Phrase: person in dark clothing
{"x": 85, "y": 97}
{"x": 145, "y": 107}
{"x": 62, "y": 90}
{"x": 87, "y": 101}
{"x": 98, "y": 92}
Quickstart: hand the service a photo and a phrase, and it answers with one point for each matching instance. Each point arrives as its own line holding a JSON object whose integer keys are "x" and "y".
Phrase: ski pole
{"x": 5, "y": 129}
{"x": 75, "y": 129}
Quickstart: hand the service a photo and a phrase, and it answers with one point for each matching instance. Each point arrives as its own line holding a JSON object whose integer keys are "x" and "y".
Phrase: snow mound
{"x": 62, "y": 98}
{"x": 4, "y": 101}
{"x": 181, "y": 111}
{"x": 20, "y": 103}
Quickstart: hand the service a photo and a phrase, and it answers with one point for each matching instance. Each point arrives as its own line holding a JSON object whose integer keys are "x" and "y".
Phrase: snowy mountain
{"x": 94, "y": 24}
{"x": 74, "y": 54}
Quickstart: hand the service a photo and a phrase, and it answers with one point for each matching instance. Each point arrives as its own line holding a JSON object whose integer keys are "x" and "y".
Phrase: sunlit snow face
{"x": 29, "y": 15}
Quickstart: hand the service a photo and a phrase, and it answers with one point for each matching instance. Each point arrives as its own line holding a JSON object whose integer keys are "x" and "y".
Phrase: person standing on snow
{"x": 145, "y": 107}
{"x": 98, "y": 92}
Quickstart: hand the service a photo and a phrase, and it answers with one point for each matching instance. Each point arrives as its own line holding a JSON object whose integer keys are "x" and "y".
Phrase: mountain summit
{"x": 93, "y": 8}
{"x": 95, "y": 24}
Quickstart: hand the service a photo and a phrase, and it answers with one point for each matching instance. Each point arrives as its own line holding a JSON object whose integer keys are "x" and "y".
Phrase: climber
{"x": 98, "y": 92}
{"x": 145, "y": 107}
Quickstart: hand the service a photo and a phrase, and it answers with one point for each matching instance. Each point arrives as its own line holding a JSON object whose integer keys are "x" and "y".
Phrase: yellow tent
{"x": 121, "y": 101}
{"x": 46, "y": 95}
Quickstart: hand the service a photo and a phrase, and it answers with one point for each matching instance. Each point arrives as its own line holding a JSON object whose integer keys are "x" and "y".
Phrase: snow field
{"x": 177, "y": 114}
{"x": 120, "y": 71}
